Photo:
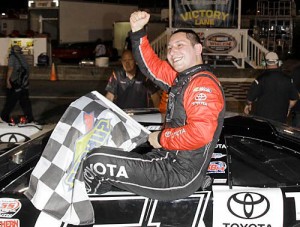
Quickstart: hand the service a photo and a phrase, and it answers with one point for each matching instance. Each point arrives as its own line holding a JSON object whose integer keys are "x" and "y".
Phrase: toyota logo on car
{"x": 248, "y": 205}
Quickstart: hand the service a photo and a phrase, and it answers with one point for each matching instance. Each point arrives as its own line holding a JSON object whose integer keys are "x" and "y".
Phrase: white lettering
{"x": 88, "y": 174}
{"x": 97, "y": 171}
{"x": 201, "y": 97}
{"x": 122, "y": 172}
{"x": 199, "y": 103}
{"x": 100, "y": 169}
{"x": 204, "y": 89}
{"x": 221, "y": 146}
{"x": 111, "y": 169}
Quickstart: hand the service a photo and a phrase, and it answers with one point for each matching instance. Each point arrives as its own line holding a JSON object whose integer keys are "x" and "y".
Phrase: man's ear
{"x": 198, "y": 49}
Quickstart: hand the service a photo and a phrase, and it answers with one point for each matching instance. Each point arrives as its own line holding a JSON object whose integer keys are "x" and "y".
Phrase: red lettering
{"x": 9, "y": 223}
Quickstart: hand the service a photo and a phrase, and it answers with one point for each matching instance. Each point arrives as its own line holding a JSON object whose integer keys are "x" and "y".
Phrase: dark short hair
{"x": 190, "y": 35}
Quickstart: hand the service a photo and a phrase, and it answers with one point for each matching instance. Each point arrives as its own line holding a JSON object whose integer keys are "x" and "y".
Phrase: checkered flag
{"x": 56, "y": 185}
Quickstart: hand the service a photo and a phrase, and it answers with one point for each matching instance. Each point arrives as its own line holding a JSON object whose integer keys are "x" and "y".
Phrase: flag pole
{"x": 239, "y": 14}
{"x": 170, "y": 13}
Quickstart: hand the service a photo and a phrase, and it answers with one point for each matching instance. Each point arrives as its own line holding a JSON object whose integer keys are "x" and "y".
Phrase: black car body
{"x": 254, "y": 175}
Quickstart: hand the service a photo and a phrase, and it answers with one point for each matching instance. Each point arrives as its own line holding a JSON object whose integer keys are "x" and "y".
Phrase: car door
{"x": 263, "y": 184}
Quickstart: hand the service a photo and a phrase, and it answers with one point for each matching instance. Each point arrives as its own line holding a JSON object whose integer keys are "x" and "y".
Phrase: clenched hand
{"x": 153, "y": 139}
{"x": 138, "y": 20}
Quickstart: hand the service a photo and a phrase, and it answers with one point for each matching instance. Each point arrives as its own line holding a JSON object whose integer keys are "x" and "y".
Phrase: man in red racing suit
{"x": 195, "y": 113}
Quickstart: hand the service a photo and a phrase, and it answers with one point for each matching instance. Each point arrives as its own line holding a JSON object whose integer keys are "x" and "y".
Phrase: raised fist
{"x": 138, "y": 20}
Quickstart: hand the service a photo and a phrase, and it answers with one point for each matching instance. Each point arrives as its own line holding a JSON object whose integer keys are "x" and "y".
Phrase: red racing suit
{"x": 194, "y": 119}
{"x": 195, "y": 99}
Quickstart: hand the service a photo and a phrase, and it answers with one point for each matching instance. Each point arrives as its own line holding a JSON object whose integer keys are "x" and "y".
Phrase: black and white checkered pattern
{"x": 56, "y": 184}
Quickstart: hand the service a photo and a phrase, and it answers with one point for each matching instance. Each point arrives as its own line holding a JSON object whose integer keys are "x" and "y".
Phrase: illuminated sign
{"x": 43, "y": 4}
{"x": 220, "y": 42}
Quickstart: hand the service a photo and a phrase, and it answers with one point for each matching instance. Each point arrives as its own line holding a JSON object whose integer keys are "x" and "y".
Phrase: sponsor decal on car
{"x": 218, "y": 155}
{"x": 9, "y": 207}
{"x": 255, "y": 207}
{"x": 217, "y": 167}
{"x": 13, "y": 137}
{"x": 220, "y": 181}
{"x": 9, "y": 222}
{"x": 221, "y": 146}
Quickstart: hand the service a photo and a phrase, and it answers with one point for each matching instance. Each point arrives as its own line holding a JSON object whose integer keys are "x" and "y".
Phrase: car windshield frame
{"x": 286, "y": 130}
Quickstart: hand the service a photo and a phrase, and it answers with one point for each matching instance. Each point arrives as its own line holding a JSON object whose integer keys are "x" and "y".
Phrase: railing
{"x": 160, "y": 44}
{"x": 255, "y": 53}
{"x": 247, "y": 49}
{"x": 278, "y": 8}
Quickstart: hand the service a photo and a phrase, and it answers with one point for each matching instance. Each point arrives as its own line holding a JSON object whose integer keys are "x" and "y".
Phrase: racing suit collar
{"x": 193, "y": 70}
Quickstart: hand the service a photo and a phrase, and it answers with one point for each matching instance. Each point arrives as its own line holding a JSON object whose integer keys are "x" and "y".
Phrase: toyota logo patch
{"x": 248, "y": 205}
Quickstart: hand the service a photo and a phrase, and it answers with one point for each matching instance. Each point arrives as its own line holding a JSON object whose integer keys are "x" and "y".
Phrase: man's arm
{"x": 155, "y": 97}
{"x": 9, "y": 73}
{"x": 111, "y": 87}
{"x": 253, "y": 93}
{"x": 291, "y": 104}
{"x": 248, "y": 107}
{"x": 157, "y": 70}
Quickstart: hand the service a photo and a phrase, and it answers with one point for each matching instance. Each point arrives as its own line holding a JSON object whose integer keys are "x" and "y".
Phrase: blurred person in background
{"x": 273, "y": 92}
{"x": 17, "y": 85}
{"x": 129, "y": 88}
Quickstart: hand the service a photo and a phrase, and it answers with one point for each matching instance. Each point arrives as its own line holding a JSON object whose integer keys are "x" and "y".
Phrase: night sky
{"x": 13, "y": 4}
{"x": 18, "y": 4}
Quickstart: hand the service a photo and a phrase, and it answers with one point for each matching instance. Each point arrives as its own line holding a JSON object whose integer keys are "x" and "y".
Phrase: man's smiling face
{"x": 181, "y": 53}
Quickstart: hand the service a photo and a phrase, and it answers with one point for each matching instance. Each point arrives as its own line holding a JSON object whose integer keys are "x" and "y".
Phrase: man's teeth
{"x": 177, "y": 59}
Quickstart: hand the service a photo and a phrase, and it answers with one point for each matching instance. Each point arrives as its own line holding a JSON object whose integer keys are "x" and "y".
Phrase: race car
{"x": 13, "y": 134}
{"x": 252, "y": 181}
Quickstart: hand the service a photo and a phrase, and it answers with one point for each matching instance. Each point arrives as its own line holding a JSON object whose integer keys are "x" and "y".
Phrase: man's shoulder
{"x": 269, "y": 73}
{"x": 271, "y": 76}
{"x": 18, "y": 57}
{"x": 12, "y": 60}
{"x": 139, "y": 75}
{"x": 284, "y": 75}
{"x": 206, "y": 75}
{"x": 119, "y": 72}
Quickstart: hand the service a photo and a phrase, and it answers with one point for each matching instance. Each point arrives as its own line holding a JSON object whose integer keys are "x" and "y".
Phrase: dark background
{"x": 13, "y": 4}
{"x": 22, "y": 4}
